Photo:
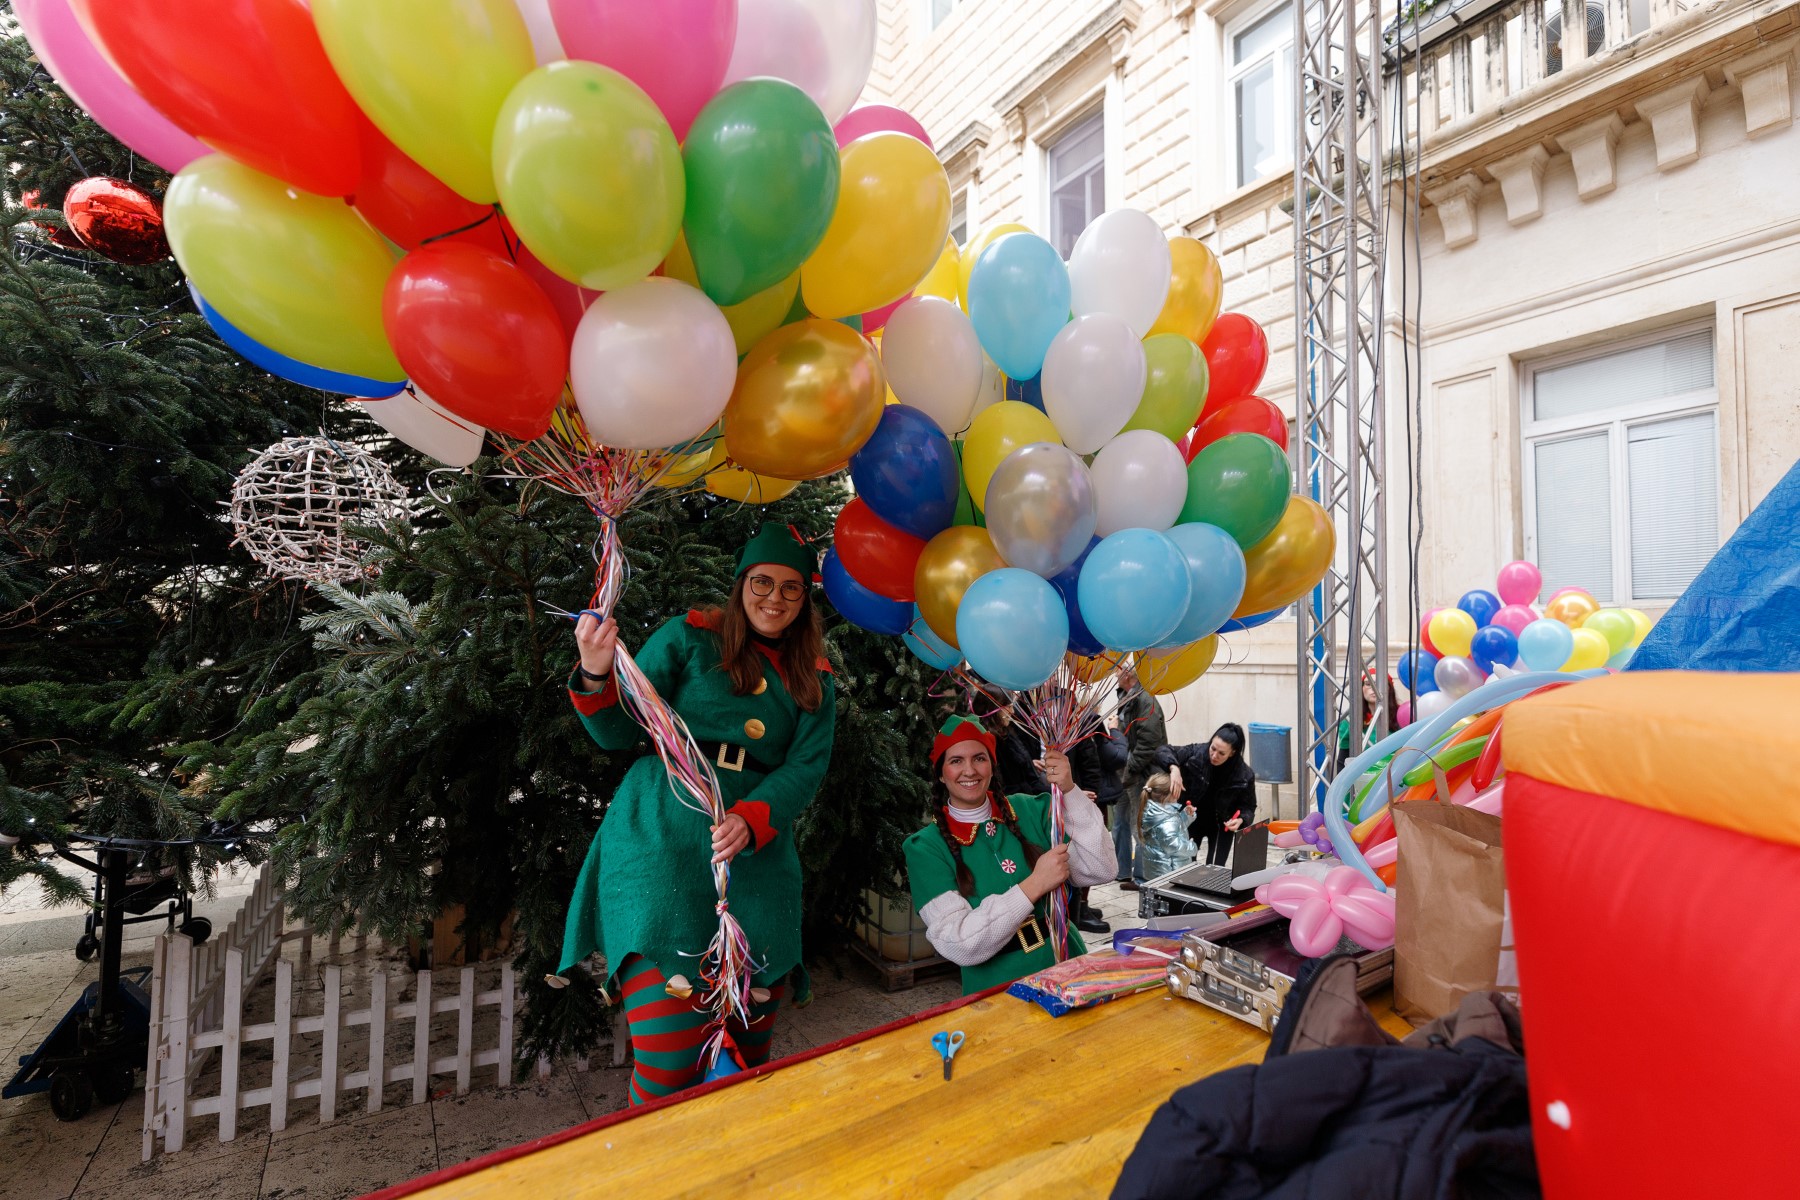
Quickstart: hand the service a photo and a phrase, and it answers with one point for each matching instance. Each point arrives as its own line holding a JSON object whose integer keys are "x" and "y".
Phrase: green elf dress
{"x": 996, "y": 934}
{"x": 646, "y": 887}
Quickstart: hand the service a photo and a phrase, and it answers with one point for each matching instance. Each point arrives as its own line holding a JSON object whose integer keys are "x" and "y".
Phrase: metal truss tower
{"x": 1339, "y": 279}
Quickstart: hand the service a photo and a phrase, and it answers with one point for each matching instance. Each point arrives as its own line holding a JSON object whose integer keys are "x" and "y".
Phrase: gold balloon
{"x": 807, "y": 398}
{"x": 1163, "y": 672}
{"x": 1093, "y": 670}
{"x": 1572, "y": 608}
{"x": 951, "y": 561}
{"x": 735, "y": 483}
{"x": 1284, "y": 566}
{"x": 1196, "y": 291}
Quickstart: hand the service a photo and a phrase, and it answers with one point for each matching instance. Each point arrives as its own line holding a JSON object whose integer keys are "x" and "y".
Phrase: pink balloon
{"x": 1315, "y": 929}
{"x": 1492, "y": 800}
{"x": 1382, "y": 855}
{"x": 879, "y": 118}
{"x": 1519, "y": 583}
{"x": 874, "y": 319}
{"x": 1320, "y": 912}
{"x": 1515, "y": 617}
{"x": 76, "y": 64}
{"x": 1403, "y": 715}
{"x": 676, "y": 50}
{"x": 1289, "y": 840}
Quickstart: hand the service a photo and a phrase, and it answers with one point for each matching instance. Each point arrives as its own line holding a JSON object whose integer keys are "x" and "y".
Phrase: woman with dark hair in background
{"x": 1218, "y": 783}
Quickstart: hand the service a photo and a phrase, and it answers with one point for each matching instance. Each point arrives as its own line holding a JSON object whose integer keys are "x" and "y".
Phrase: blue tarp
{"x": 1742, "y": 612}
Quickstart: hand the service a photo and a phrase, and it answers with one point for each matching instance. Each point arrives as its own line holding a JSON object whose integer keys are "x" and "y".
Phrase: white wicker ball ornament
{"x": 292, "y": 507}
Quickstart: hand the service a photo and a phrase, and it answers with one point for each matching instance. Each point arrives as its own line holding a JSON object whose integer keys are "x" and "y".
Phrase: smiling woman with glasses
{"x": 751, "y": 681}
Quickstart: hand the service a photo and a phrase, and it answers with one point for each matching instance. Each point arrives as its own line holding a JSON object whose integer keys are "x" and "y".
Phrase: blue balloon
{"x": 1622, "y": 659}
{"x": 1013, "y": 628}
{"x": 928, "y": 647}
{"x": 1067, "y": 583}
{"x": 1494, "y": 644}
{"x": 1134, "y": 588}
{"x": 1545, "y": 645}
{"x": 1414, "y": 669}
{"x": 1481, "y": 605}
{"x": 908, "y": 473}
{"x": 860, "y": 606}
{"x": 1216, "y": 570}
{"x": 290, "y": 369}
{"x": 1018, "y": 302}
{"x": 1027, "y": 391}
{"x": 1238, "y": 624}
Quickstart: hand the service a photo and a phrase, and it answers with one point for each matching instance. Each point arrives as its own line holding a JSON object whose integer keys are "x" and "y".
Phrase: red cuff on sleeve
{"x": 756, "y": 815}
{"x": 589, "y": 703}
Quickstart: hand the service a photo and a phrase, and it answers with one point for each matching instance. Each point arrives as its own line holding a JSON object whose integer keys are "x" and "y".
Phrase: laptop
{"x": 1249, "y": 852}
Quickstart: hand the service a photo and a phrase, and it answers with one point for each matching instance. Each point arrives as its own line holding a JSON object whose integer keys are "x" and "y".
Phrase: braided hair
{"x": 1003, "y": 811}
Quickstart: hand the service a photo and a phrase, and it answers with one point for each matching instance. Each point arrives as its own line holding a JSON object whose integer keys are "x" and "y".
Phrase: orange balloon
{"x": 1196, "y": 291}
{"x": 1092, "y": 670}
{"x": 807, "y": 398}
{"x": 1572, "y": 608}
{"x": 1285, "y": 565}
{"x": 950, "y": 562}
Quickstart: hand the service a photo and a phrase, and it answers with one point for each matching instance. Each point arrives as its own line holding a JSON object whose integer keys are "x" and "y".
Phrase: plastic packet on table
{"x": 1091, "y": 979}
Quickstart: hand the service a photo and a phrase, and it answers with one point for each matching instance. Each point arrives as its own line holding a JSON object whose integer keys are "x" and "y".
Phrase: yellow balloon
{"x": 432, "y": 75}
{"x": 995, "y": 433}
{"x": 1163, "y": 672}
{"x": 687, "y": 468}
{"x": 941, "y": 280}
{"x": 1571, "y": 608}
{"x": 1591, "y": 650}
{"x": 1452, "y": 632}
{"x": 807, "y": 398}
{"x": 750, "y": 321}
{"x": 1196, "y": 291}
{"x": 735, "y": 483}
{"x": 1643, "y": 622}
{"x": 973, "y": 251}
{"x": 1285, "y": 565}
{"x": 892, "y": 215}
{"x": 300, "y": 273}
{"x": 950, "y": 562}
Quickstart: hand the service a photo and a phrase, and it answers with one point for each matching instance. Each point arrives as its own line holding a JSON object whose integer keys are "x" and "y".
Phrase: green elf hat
{"x": 779, "y": 544}
{"x": 960, "y": 729}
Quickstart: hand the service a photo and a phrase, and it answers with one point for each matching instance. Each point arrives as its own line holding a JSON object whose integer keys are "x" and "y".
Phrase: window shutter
{"x": 1573, "y": 498}
{"x": 1655, "y": 372}
{"x": 1674, "y": 475}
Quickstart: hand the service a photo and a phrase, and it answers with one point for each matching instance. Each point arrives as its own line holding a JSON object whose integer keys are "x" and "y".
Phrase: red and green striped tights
{"x": 667, "y": 1033}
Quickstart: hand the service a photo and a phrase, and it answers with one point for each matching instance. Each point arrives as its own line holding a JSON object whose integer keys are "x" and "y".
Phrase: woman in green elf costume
{"x": 752, "y": 683}
{"x": 981, "y": 874}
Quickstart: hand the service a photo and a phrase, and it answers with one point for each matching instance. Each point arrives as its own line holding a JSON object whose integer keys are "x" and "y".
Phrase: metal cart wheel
{"x": 71, "y": 1094}
{"x": 114, "y": 1081}
{"x": 87, "y": 947}
{"x": 198, "y": 928}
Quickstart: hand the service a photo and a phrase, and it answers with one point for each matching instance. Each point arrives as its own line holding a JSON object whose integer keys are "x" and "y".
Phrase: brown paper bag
{"x": 1450, "y": 901}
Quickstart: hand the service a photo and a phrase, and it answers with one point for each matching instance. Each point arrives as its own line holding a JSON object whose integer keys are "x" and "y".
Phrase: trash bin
{"x": 1271, "y": 753}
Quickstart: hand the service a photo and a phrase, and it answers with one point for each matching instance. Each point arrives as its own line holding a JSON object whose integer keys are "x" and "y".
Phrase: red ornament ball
{"x": 123, "y": 222}
{"x": 58, "y": 234}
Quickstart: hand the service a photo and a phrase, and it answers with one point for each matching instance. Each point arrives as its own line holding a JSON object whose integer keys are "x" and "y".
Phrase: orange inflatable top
{"x": 1719, "y": 748}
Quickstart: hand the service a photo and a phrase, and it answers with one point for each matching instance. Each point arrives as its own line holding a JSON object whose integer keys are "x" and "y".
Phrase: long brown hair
{"x": 1003, "y": 812}
{"x": 798, "y": 654}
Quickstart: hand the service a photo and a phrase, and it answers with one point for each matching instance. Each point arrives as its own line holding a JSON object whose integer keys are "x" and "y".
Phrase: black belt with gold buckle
{"x": 729, "y": 756}
{"x": 1031, "y": 935}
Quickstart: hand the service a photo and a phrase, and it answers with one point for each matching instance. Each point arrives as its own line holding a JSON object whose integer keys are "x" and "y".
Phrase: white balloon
{"x": 1121, "y": 265}
{"x": 544, "y": 42}
{"x": 420, "y": 422}
{"x": 1093, "y": 379}
{"x": 991, "y": 392}
{"x": 652, "y": 365}
{"x": 1431, "y": 704}
{"x": 826, "y": 48}
{"x": 1140, "y": 482}
{"x": 933, "y": 360}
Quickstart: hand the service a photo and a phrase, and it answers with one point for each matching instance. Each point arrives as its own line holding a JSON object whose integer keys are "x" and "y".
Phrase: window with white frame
{"x": 1621, "y": 456}
{"x": 1259, "y": 76}
{"x": 940, "y": 11}
{"x": 1076, "y": 167}
{"x": 959, "y": 218}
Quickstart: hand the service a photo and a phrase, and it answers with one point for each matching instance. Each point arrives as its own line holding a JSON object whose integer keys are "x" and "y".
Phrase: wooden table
{"x": 1038, "y": 1106}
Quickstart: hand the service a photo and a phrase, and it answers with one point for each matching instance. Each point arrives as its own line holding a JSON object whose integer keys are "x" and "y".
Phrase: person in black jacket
{"x": 1218, "y": 784}
{"x": 1098, "y": 763}
{"x": 1141, "y": 720}
{"x": 1018, "y": 751}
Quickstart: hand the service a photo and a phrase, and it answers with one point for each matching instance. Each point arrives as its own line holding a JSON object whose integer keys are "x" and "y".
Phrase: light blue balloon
{"x": 1545, "y": 645}
{"x": 1013, "y": 628}
{"x": 1622, "y": 659}
{"x": 928, "y": 647}
{"x": 1216, "y": 570}
{"x": 1134, "y": 589}
{"x": 1018, "y": 301}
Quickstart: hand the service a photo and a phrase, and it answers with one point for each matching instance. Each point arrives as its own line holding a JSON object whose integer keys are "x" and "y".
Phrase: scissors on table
{"x": 947, "y": 1044}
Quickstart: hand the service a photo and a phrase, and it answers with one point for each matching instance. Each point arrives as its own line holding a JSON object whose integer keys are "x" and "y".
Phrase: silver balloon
{"x": 1431, "y": 704}
{"x": 1040, "y": 508}
{"x": 1457, "y": 677}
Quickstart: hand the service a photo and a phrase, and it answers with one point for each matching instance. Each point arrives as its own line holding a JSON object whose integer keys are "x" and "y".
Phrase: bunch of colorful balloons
{"x": 1491, "y": 634}
{"x": 495, "y": 200}
{"x": 1027, "y": 493}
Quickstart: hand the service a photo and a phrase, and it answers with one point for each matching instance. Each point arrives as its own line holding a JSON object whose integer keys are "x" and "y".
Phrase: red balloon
{"x": 61, "y": 235}
{"x": 571, "y": 300}
{"x": 1237, "y": 354}
{"x": 117, "y": 219}
{"x": 877, "y": 555}
{"x": 1248, "y": 414}
{"x": 1425, "y": 641}
{"x": 248, "y": 77}
{"x": 409, "y": 204}
{"x": 478, "y": 336}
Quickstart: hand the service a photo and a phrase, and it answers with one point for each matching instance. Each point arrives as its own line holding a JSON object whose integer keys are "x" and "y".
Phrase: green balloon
{"x": 1241, "y": 484}
{"x": 1613, "y": 625}
{"x": 966, "y": 512}
{"x": 762, "y": 183}
{"x": 1174, "y": 387}
{"x": 589, "y": 174}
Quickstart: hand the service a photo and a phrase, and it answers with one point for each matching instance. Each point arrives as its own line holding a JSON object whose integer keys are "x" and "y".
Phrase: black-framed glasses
{"x": 762, "y": 585}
